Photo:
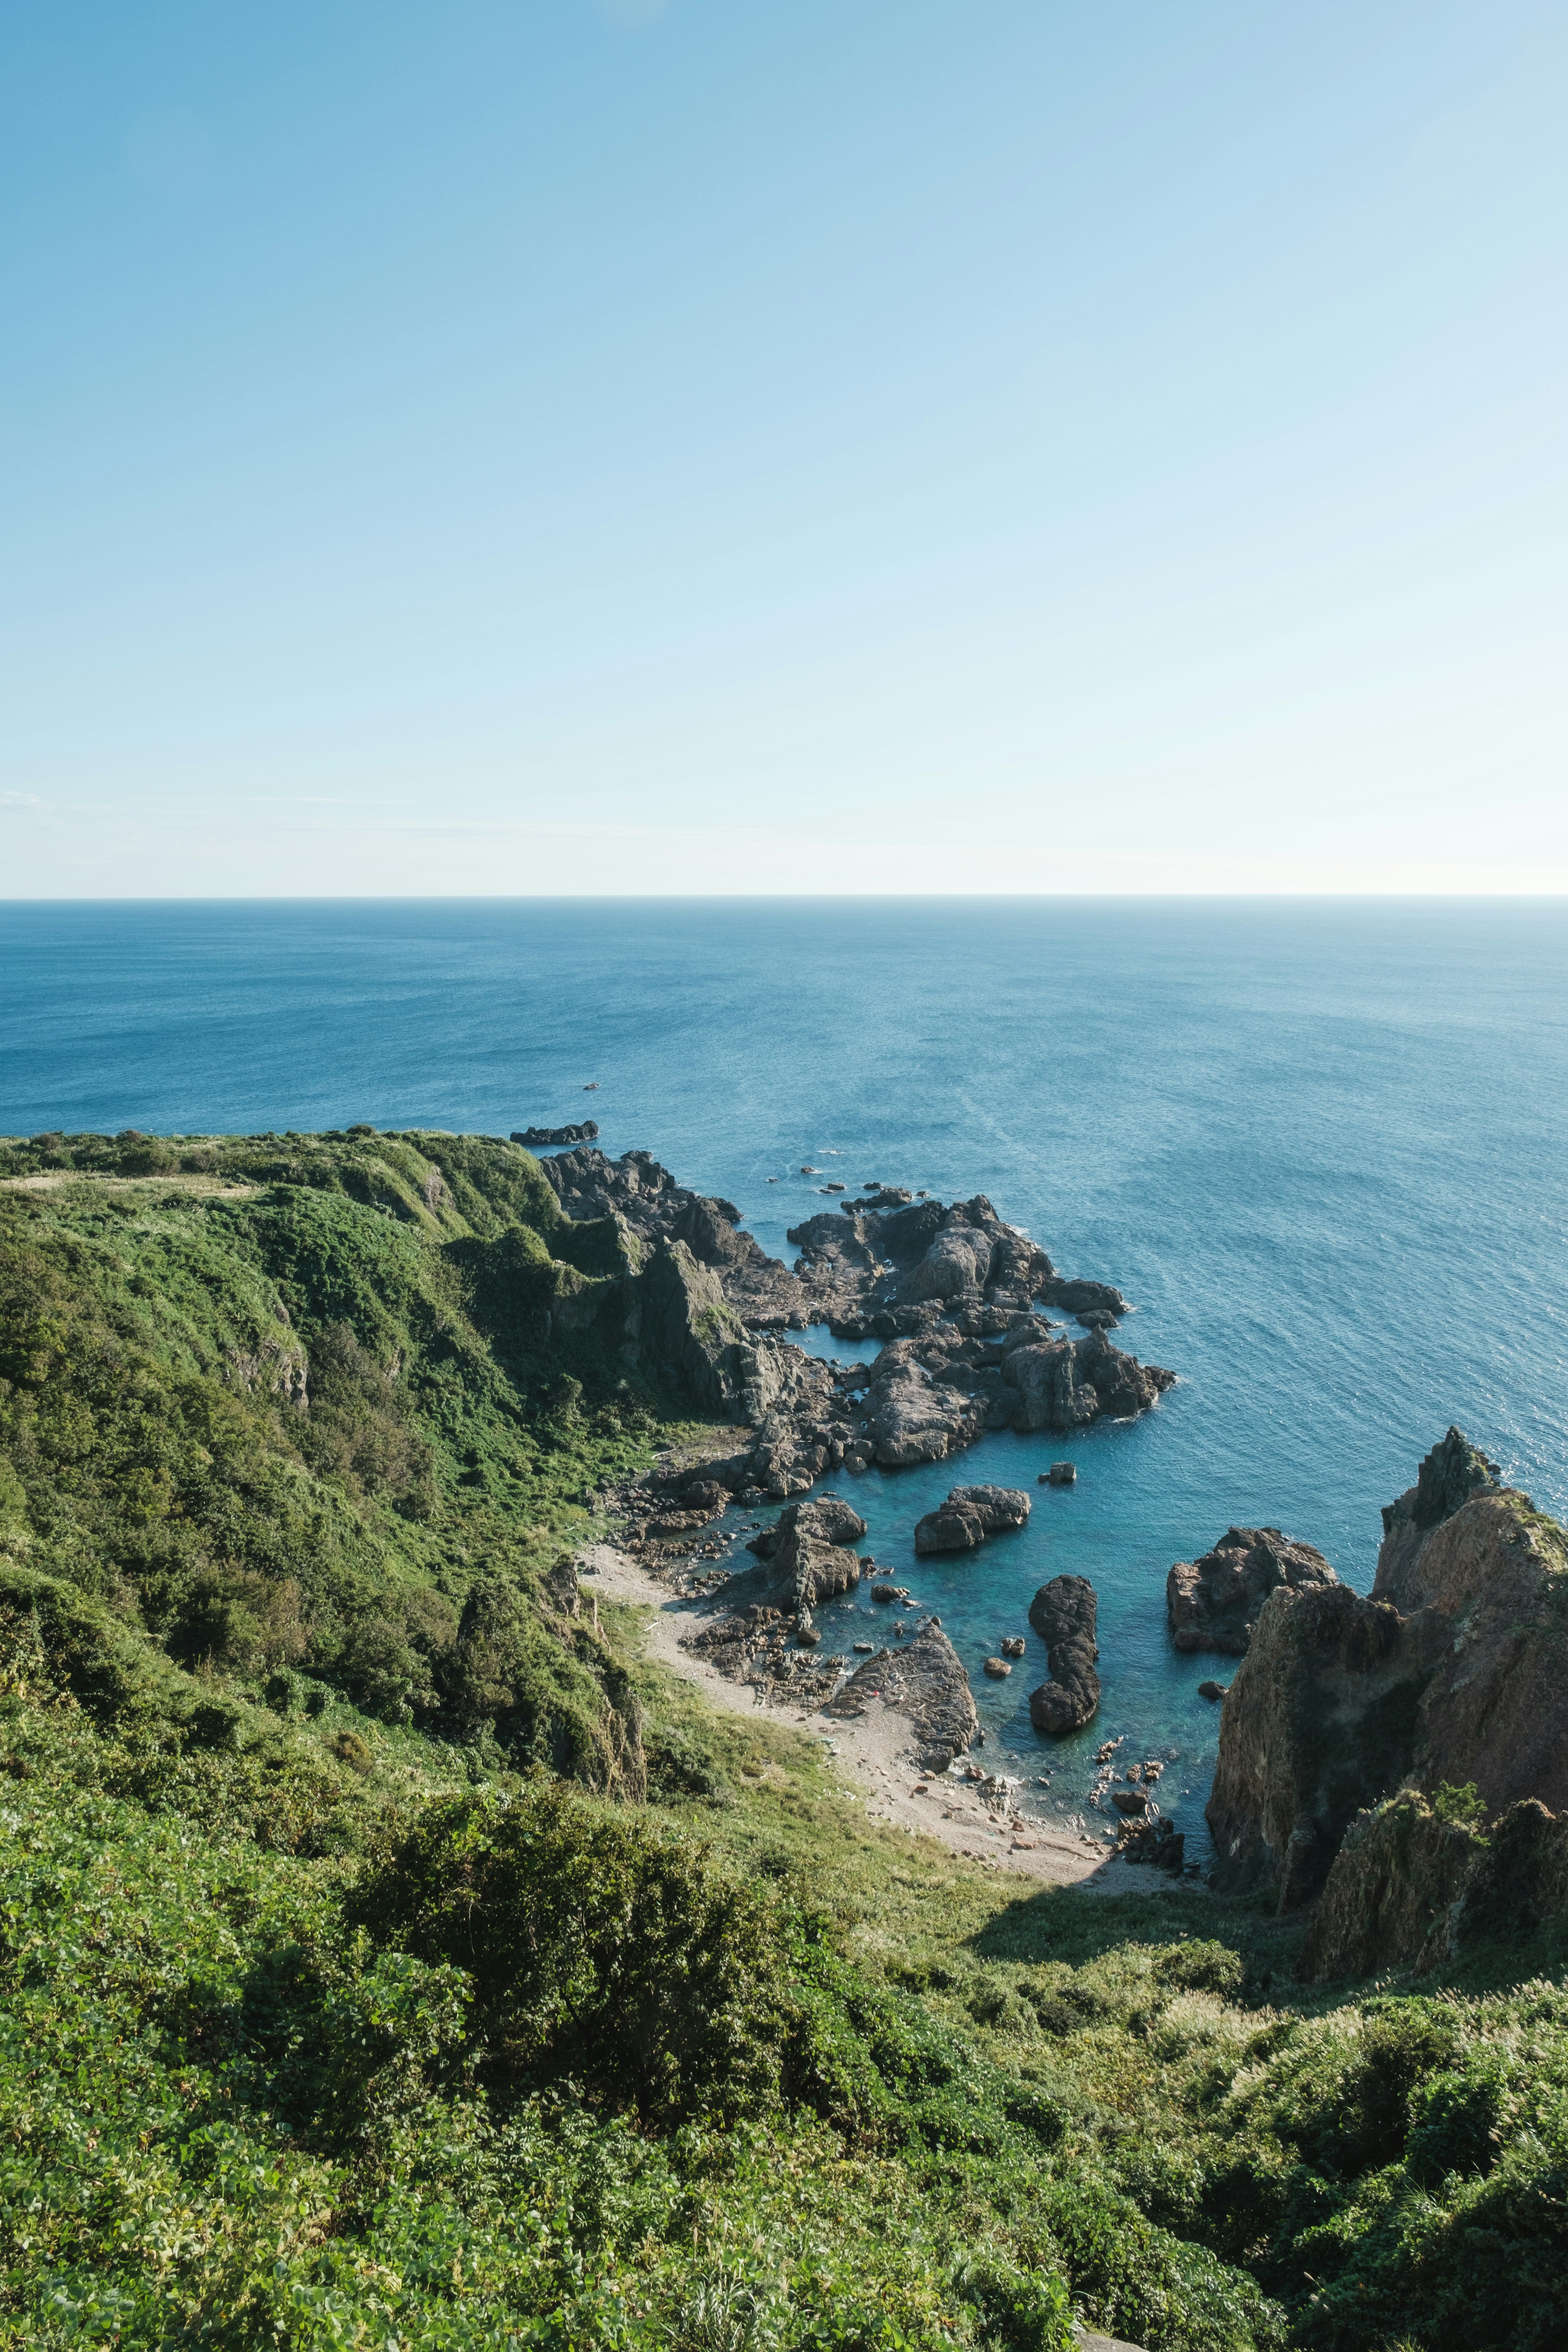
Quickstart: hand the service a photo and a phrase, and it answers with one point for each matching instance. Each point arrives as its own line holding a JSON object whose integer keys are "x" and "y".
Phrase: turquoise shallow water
{"x": 1323, "y": 1149}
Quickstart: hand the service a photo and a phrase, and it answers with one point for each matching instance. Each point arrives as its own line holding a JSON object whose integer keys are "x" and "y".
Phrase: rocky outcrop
{"x": 906, "y": 1416}
{"x": 1414, "y": 1883}
{"x": 969, "y": 1515}
{"x": 1212, "y": 1603}
{"x": 648, "y": 1201}
{"x": 924, "y": 1680}
{"x": 1456, "y": 1671}
{"x": 895, "y": 1271}
{"x": 807, "y": 1552}
{"x": 544, "y": 1139}
{"x": 700, "y": 1305}
{"x": 1063, "y": 1614}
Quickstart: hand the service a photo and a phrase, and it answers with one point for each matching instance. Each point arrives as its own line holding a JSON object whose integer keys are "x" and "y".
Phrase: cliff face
{"x": 1455, "y": 1671}
{"x": 1321, "y": 1720}
{"x": 1411, "y": 1889}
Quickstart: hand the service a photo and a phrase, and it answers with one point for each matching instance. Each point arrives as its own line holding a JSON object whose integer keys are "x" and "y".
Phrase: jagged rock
{"x": 1060, "y": 1474}
{"x": 1409, "y": 1889}
{"x": 1212, "y": 1603}
{"x": 1065, "y": 1383}
{"x": 542, "y": 1138}
{"x": 969, "y": 1515}
{"x": 647, "y": 1200}
{"x": 1063, "y": 1613}
{"x": 927, "y": 1683}
{"x": 827, "y": 1518}
{"x": 909, "y": 1418}
{"x": 1448, "y": 1476}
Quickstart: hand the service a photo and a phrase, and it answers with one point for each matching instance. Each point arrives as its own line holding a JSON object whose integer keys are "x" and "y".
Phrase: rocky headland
{"x": 1451, "y": 1675}
{"x": 957, "y": 1295}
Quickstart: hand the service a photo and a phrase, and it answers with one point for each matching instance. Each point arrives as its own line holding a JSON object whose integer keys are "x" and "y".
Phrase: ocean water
{"x": 1322, "y": 1146}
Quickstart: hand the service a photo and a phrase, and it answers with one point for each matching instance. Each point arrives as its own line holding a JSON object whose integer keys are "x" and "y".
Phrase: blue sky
{"x": 782, "y": 444}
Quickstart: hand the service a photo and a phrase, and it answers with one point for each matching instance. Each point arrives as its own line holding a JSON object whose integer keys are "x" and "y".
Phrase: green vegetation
{"x": 390, "y": 1959}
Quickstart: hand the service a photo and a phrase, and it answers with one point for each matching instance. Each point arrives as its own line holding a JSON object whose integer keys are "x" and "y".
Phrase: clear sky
{"x": 534, "y": 445}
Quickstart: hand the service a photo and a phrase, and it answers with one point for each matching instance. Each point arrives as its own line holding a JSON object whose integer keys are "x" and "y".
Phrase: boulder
{"x": 998, "y": 1669}
{"x": 1063, "y": 1613}
{"x": 1060, "y": 1474}
{"x": 1213, "y": 1690}
{"x": 1212, "y": 1603}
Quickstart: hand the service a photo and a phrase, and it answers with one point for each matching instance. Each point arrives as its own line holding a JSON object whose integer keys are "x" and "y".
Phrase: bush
{"x": 601, "y": 1948}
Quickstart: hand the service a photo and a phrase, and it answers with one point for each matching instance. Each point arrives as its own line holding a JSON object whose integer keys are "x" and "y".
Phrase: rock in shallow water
{"x": 1063, "y": 1612}
{"x": 969, "y": 1515}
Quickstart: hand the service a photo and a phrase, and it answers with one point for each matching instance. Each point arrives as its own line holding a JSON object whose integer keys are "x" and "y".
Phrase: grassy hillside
{"x": 391, "y": 1960}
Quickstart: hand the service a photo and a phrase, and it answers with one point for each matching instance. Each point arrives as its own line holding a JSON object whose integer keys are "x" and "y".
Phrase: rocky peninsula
{"x": 958, "y": 1297}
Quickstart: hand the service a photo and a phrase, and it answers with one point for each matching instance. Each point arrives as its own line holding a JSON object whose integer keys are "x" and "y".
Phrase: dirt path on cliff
{"x": 875, "y": 1753}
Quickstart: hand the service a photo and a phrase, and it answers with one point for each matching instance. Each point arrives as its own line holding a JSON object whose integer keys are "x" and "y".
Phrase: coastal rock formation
{"x": 542, "y": 1138}
{"x": 1456, "y": 1671}
{"x": 1412, "y": 1885}
{"x": 1063, "y": 1614}
{"x": 969, "y": 1515}
{"x": 906, "y": 1416}
{"x": 924, "y": 1680}
{"x": 950, "y": 1289}
{"x": 1212, "y": 1603}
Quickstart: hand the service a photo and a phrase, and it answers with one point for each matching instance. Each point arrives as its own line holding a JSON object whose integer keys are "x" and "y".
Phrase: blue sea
{"x": 1322, "y": 1146}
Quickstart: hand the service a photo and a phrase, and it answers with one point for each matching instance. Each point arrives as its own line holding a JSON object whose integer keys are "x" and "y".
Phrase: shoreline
{"x": 874, "y": 1752}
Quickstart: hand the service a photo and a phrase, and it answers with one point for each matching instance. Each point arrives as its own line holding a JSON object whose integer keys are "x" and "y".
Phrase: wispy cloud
{"x": 19, "y": 801}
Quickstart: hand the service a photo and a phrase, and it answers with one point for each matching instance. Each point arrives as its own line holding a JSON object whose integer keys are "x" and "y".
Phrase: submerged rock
{"x": 1063, "y": 1613}
{"x": 1212, "y": 1603}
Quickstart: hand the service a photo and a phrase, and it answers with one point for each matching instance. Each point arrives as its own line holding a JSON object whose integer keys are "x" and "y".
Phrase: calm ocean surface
{"x": 1322, "y": 1146}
